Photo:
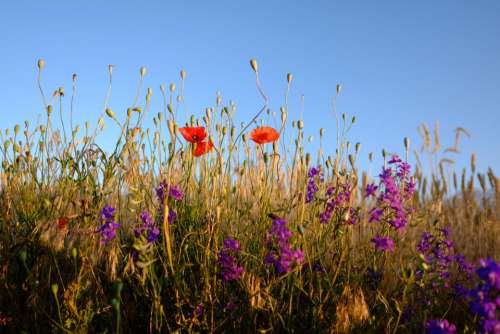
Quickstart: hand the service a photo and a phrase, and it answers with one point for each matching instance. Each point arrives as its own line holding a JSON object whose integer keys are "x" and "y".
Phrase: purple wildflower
{"x": 229, "y": 268}
{"x": 148, "y": 227}
{"x": 394, "y": 159}
{"x": 440, "y": 327}
{"x": 281, "y": 254}
{"x": 174, "y": 192}
{"x": 384, "y": 244}
{"x": 312, "y": 187}
{"x": 370, "y": 190}
{"x": 109, "y": 226}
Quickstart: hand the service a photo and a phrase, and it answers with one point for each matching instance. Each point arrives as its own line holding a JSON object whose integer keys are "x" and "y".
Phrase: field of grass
{"x": 215, "y": 227}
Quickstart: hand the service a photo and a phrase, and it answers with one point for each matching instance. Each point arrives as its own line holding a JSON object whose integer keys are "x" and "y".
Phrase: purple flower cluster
{"x": 315, "y": 174}
{"x": 439, "y": 258}
{"x": 440, "y": 327}
{"x": 485, "y": 297}
{"x": 398, "y": 187}
{"x": 281, "y": 254}
{"x": 383, "y": 244}
{"x": 109, "y": 225}
{"x": 393, "y": 201}
{"x": 229, "y": 268}
{"x": 174, "y": 192}
{"x": 338, "y": 203}
{"x": 148, "y": 227}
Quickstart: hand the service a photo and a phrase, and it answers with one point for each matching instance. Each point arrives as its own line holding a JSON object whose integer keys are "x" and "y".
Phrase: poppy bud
{"x": 49, "y": 110}
{"x": 266, "y": 157}
{"x": 129, "y": 113}
{"x": 407, "y": 143}
{"x": 16, "y": 129}
{"x": 149, "y": 94}
{"x": 41, "y": 64}
{"x": 289, "y": 78}
{"x": 162, "y": 88}
{"x": 352, "y": 161}
{"x": 218, "y": 100}
{"x": 310, "y": 138}
{"x": 300, "y": 124}
{"x": 183, "y": 74}
{"x": 54, "y": 287}
{"x": 74, "y": 253}
{"x": 244, "y": 138}
{"x": 321, "y": 132}
{"x": 142, "y": 71}
{"x": 370, "y": 156}
{"x": 308, "y": 159}
{"x": 110, "y": 113}
{"x": 170, "y": 109}
{"x": 73, "y": 77}
{"x": 233, "y": 132}
{"x": 171, "y": 87}
{"x": 253, "y": 63}
{"x": 357, "y": 147}
{"x": 171, "y": 128}
{"x": 339, "y": 89}
{"x": 110, "y": 69}
{"x": 353, "y": 120}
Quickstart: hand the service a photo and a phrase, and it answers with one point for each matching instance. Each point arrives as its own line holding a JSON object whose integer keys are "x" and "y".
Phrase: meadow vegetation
{"x": 215, "y": 226}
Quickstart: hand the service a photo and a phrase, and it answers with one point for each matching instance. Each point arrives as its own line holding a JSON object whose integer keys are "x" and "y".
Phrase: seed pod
{"x": 310, "y": 138}
{"x": 339, "y": 89}
{"x": 183, "y": 74}
{"x": 41, "y": 64}
{"x": 289, "y": 78}
{"x": 130, "y": 112}
{"x": 142, "y": 71}
{"x": 473, "y": 159}
{"x": 49, "y": 110}
{"x": 110, "y": 113}
{"x": 16, "y": 129}
{"x": 353, "y": 120}
{"x": 370, "y": 156}
{"x": 172, "y": 87}
{"x": 321, "y": 132}
{"x": 218, "y": 100}
{"x": 162, "y": 88}
{"x": 171, "y": 128}
{"x": 110, "y": 69}
{"x": 100, "y": 122}
{"x": 300, "y": 124}
{"x": 253, "y": 63}
{"x": 233, "y": 131}
{"x": 308, "y": 159}
{"x": 73, "y": 77}
{"x": 149, "y": 94}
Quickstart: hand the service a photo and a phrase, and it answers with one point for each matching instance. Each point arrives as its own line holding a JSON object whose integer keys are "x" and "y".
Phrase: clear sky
{"x": 400, "y": 62}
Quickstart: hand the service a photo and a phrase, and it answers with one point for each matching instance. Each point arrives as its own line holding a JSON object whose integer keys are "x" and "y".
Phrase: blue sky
{"x": 401, "y": 63}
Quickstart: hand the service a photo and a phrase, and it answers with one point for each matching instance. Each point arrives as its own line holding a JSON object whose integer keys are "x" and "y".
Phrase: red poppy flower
{"x": 264, "y": 134}
{"x": 193, "y": 134}
{"x": 202, "y": 148}
{"x": 62, "y": 222}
